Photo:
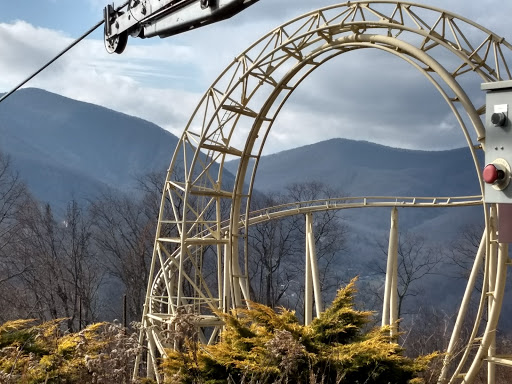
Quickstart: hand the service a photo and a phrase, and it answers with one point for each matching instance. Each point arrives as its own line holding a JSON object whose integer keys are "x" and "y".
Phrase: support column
{"x": 227, "y": 279}
{"x": 313, "y": 263}
{"x": 390, "y": 304}
{"x": 491, "y": 287}
{"x": 455, "y": 338}
{"x": 494, "y": 313}
{"x": 220, "y": 273}
{"x": 151, "y": 363}
{"x": 240, "y": 281}
{"x": 235, "y": 275}
{"x": 220, "y": 278}
{"x": 308, "y": 284}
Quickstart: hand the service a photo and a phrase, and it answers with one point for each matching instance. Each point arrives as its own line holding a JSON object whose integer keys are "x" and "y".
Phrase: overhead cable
{"x": 55, "y": 58}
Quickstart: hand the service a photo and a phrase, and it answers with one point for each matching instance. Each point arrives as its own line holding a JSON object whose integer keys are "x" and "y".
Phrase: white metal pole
{"x": 390, "y": 302}
{"x": 455, "y": 338}
{"x": 220, "y": 277}
{"x": 393, "y": 251}
{"x": 491, "y": 284}
{"x": 151, "y": 371}
{"x": 493, "y": 315}
{"x": 235, "y": 277}
{"x": 314, "y": 264}
{"x": 227, "y": 279}
{"x": 308, "y": 283}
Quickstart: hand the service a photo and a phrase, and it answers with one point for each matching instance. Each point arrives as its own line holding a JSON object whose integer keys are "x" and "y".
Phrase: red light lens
{"x": 490, "y": 174}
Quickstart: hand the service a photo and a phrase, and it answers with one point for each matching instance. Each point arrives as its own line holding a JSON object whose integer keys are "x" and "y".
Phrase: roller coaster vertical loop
{"x": 241, "y": 107}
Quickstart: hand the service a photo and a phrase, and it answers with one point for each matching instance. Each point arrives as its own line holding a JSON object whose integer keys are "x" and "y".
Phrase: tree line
{"x": 57, "y": 265}
{"x": 79, "y": 263}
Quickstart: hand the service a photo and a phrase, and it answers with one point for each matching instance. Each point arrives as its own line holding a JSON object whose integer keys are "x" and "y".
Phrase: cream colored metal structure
{"x": 201, "y": 265}
{"x": 159, "y": 321}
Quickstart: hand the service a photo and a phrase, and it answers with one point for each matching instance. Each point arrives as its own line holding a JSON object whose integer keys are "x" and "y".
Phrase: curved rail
{"x": 237, "y": 112}
{"x": 159, "y": 300}
{"x": 289, "y": 209}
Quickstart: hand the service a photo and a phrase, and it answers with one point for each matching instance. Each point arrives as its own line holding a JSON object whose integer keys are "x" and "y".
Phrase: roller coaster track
{"x": 233, "y": 120}
{"x": 281, "y": 211}
{"x": 303, "y": 207}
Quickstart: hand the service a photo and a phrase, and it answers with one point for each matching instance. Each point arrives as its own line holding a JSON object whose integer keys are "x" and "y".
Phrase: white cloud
{"x": 163, "y": 80}
{"x": 88, "y": 73}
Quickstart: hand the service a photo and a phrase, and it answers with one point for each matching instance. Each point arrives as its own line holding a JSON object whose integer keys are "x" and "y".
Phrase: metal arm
{"x": 148, "y": 18}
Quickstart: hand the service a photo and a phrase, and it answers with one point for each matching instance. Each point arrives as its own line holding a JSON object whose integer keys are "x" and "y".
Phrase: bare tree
{"x": 273, "y": 245}
{"x": 277, "y": 247}
{"x": 124, "y": 234}
{"x": 13, "y": 196}
{"x": 61, "y": 276}
{"x": 463, "y": 250}
{"x": 329, "y": 231}
{"x": 416, "y": 260}
{"x": 83, "y": 269}
{"x": 151, "y": 186}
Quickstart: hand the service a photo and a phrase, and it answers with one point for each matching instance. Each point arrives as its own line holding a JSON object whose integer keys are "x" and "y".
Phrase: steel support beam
{"x": 226, "y": 298}
{"x": 462, "y": 312}
{"x": 390, "y": 302}
{"x": 494, "y": 311}
{"x": 308, "y": 283}
{"x": 313, "y": 263}
{"x": 491, "y": 287}
{"x": 253, "y": 90}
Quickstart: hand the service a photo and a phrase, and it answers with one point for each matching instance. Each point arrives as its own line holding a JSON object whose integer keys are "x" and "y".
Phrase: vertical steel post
{"x": 235, "y": 274}
{"x": 151, "y": 363}
{"x": 390, "y": 304}
{"x": 220, "y": 276}
{"x": 393, "y": 303}
{"x": 308, "y": 283}
{"x": 314, "y": 264}
{"x": 491, "y": 287}
{"x": 239, "y": 283}
{"x": 227, "y": 279}
{"x": 455, "y": 338}
{"x": 495, "y": 310}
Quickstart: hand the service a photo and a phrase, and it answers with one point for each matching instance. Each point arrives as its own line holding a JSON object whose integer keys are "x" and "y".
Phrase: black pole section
{"x": 57, "y": 57}
{"x": 79, "y": 314}
{"x": 125, "y": 320}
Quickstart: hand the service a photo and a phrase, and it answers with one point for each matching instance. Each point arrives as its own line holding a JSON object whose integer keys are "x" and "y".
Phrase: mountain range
{"x": 65, "y": 149}
{"x": 360, "y": 168}
{"x": 62, "y": 146}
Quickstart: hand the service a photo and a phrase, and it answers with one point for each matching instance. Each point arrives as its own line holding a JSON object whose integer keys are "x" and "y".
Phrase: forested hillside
{"x": 66, "y": 149}
{"x": 80, "y": 189}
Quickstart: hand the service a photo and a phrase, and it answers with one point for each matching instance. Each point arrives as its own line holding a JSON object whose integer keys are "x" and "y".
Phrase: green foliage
{"x": 340, "y": 323}
{"x": 260, "y": 345}
{"x": 41, "y": 353}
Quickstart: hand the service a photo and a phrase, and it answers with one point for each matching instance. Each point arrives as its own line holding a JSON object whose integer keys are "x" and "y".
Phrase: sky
{"x": 361, "y": 96}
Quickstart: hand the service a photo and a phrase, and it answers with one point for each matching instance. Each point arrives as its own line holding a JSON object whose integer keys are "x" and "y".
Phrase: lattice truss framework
{"x": 200, "y": 256}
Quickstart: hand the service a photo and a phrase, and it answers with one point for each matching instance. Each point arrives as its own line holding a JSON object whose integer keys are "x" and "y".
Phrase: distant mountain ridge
{"x": 68, "y": 149}
{"x": 361, "y": 168}
{"x": 65, "y": 148}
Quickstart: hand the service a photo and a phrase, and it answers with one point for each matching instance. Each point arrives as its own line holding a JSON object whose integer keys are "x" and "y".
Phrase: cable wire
{"x": 51, "y": 61}
{"x": 56, "y": 57}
